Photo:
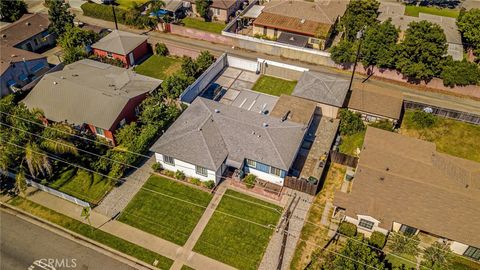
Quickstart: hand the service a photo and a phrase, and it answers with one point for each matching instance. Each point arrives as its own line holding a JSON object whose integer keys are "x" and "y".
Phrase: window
{"x": 109, "y": 55}
{"x": 99, "y": 131}
{"x": 168, "y": 160}
{"x": 275, "y": 171}
{"x": 201, "y": 171}
{"x": 251, "y": 163}
{"x": 137, "y": 110}
{"x": 408, "y": 230}
{"x": 122, "y": 123}
{"x": 35, "y": 41}
{"x": 472, "y": 252}
{"x": 365, "y": 224}
{"x": 264, "y": 31}
{"x": 37, "y": 67}
{"x": 275, "y": 32}
{"x": 315, "y": 41}
{"x": 216, "y": 11}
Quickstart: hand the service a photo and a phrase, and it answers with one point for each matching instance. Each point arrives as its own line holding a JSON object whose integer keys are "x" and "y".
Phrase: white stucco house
{"x": 210, "y": 137}
{"x": 404, "y": 184}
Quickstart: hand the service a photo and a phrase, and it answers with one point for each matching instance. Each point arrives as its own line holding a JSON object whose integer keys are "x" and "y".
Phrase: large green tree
{"x": 379, "y": 45}
{"x": 469, "y": 26}
{"x": 420, "y": 55}
{"x": 59, "y": 16}
{"x": 12, "y": 10}
{"x": 344, "y": 52}
{"x": 74, "y": 42}
{"x": 359, "y": 14}
{"x": 460, "y": 73}
{"x": 174, "y": 85}
{"x": 437, "y": 257}
{"x": 203, "y": 8}
{"x": 403, "y": 244}
{"x": 357, "y": 255}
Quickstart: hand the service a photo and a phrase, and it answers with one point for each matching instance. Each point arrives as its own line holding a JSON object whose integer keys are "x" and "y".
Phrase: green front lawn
{"x": 88, "y": 231}
{"x": 84, "y": 185}
{"x": 166, "y": 208}
{"x": 411, "y": 10}
{"x": 451, "y": 137}
{"x": 230, "y": 235}
{"x": 274, "y": 86}
{"x": 159, "y": 67}
{"x": 129, "y": 4}
{"x": 397, "y": 263}
{"x": 350, "y": 143}
{"x": 461, "y": 263}
{"x": 200, "y": 24}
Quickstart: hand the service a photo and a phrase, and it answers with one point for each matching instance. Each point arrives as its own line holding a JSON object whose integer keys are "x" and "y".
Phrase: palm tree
{"x": 437, "y": 256}
{"x": 403, "y": 244}
{"x": 37, "y": 160}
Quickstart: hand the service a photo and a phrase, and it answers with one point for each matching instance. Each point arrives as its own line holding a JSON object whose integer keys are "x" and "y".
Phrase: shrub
{"x": 383, "y": 124}
{"x": 423, "y": 119}
{"x": 180, "y": 175}
{"x": 348, "y": 229}
{"x": 250, "y": 180}
{"x": 460, "y": 73}
{"x": 169, "y": 173}
{"x": 210, "y": 184}
{"x": 195, "y": 181}
{"x": 377, "y": 239}
{"x": 103, "y": 12}
{"x": 350, "y": 122}
{"x": 161, "y": 49}
{"x": 157, "y": 167}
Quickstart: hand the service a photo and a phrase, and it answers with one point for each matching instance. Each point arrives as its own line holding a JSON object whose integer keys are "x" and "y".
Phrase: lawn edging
{"x": 79, "y": 238}
{"x": 185, "y": 182}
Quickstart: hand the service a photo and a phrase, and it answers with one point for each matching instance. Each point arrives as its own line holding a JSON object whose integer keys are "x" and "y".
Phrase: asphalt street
{"x": 24, "y": 245}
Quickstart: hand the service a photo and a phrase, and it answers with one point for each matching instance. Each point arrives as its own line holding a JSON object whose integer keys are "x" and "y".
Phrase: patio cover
{"x": 293, "y": 39}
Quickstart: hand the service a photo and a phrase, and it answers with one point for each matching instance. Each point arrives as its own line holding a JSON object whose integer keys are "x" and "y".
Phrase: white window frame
{"x": 362, "y": 220}
{"x": 102, "y": 134}
{"x": 201, "y": 170}
{"x": 274, "y": 170}
{"x": 251, "y": 163}
{"x": 168, "y": 160}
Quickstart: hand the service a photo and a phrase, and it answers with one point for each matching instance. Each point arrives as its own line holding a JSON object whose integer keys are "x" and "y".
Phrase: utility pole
{"x": 359, "y": 37}
{"x": 114, "y": 16}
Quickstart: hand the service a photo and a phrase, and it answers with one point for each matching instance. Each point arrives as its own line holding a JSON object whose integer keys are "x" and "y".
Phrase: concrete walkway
{"x": 202, "y": 223}
{"x": 120, "y": 196}
{"x": 129, "y": 233}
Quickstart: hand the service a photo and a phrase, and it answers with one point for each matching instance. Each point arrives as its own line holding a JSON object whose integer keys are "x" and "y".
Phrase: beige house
{"x": 299, "y": 23}
{"x": 404, "y": 184}
{"x": 376, "y": 103}
{"x": 220, "y": 10}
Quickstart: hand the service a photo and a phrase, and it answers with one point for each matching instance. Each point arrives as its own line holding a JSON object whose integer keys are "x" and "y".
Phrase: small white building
{"x": 210, "y": 137}
{"x": 403, "y": 184}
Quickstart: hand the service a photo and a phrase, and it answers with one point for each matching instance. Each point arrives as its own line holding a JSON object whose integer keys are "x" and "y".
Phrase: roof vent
{"x": 285, "y": 116}
{"x": 74, "y": 75}
{"x": 302, "y": 21}
{"x": 111, "y": 85}
{"x": 387, "y": 169}
{"x": 217, "y": 111}
{"x": 382, "y": 178}
{"x": 13, "y": 55}
{"x": 4, "y": 35}
{"x": 55, "y": 83}
{"x": 265, "y": 125}
{"x": 28, "y": 23}
{"x": 61, "y": 77}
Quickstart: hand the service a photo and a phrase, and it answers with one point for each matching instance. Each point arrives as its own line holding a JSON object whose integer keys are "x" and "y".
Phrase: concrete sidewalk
{"x": 129, "y": 233}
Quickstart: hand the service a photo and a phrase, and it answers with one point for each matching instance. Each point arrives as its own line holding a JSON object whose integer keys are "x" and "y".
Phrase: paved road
{"x": 22, "y": 243}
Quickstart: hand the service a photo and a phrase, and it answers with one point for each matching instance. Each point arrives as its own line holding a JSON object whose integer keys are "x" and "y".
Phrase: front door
{"x": 132, "y": 61}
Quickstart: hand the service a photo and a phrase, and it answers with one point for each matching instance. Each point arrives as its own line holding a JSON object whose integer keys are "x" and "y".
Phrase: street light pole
{"x": 114, "y": 16}
{"x": 359, "y": 37}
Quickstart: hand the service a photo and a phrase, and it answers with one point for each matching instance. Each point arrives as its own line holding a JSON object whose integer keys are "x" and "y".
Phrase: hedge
{"x": 347, "y": 229}
{"x": 103, "y": 12}
{"x": 377, "y": 239}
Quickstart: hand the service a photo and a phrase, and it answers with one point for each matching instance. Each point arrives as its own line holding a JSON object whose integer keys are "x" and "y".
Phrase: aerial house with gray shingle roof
{"x": 92, "y": 95}
{"x": 128, "y": 47}
{"x": 210, "y": 137}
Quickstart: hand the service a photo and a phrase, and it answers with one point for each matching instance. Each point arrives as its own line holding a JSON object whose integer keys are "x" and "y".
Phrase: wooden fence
{"x": 343, "y": 159}
{"x": 301, "y": 185}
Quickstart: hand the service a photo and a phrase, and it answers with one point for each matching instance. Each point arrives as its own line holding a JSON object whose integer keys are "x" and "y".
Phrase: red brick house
{"x": 91, "y": 95}
{"x": 127, "y": 47}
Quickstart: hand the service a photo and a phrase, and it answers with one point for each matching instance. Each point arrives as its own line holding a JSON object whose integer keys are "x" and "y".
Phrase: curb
{"x": 77, "y": 238}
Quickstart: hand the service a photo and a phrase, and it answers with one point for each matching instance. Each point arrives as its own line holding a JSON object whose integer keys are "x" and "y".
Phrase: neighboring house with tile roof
{"x": 329, "y": 92}
{"x": 404, "y": 184}
{"x": 221, "y": 136}
{"x": 285, "y": 20}
{"x": 219, "y": 10}
{"x": 93, "y": 95}
{"x": 125, "y": 46}
{"x": 19, "y": 64}
{"x": 396, "y": 12}
{"x": 375, "y": 103}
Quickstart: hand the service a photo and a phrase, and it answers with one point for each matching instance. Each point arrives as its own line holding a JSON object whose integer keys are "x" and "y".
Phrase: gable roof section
{"x": 11, "y": 55}
{"x": 88, "y": 92}
{"x": 119, "y": 42}
{"x": 208, "y": 133}
{"x": 322, "y": 88}
{"x": 369, "y": 98}
{"x": 405, "y": 180}
{"x": 25, "y": 27}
